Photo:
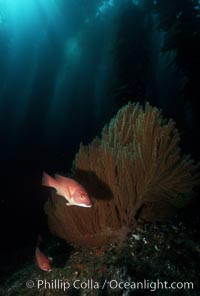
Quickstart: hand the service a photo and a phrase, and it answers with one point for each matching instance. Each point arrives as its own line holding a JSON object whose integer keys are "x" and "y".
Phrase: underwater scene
{"x": 99, "y": 147}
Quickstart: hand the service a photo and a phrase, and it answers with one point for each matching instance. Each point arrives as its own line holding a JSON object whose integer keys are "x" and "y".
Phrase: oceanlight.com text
{"x": 90, "y": 284}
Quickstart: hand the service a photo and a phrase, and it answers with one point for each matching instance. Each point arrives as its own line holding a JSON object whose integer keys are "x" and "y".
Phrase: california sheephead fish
{"x": 42, "y": 261}
{"x": 71, "y": 190}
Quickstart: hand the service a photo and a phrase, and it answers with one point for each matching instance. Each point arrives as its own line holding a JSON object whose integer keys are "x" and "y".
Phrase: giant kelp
{"x": 132, "y": 59}
{"x": 133, "y": 169}
{"x": 180, "y": 22}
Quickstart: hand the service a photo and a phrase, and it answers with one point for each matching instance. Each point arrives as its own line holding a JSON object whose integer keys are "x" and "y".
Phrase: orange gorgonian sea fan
{"x": 134, "y": 169}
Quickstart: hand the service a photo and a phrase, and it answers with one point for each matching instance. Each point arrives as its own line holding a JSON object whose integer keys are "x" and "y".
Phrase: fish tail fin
{"x": 48, "y": 180}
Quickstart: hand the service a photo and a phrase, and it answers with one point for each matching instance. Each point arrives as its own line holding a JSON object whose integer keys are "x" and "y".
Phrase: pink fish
{"x": 71, "y": 190}
{"x": 42, "y": 261}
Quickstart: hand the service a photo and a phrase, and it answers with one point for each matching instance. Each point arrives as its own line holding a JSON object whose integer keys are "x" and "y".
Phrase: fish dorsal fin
{"x": 59, "y": 177}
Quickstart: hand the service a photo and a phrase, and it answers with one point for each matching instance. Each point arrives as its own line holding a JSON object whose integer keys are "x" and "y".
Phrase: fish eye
{"x": 82, "y": 196}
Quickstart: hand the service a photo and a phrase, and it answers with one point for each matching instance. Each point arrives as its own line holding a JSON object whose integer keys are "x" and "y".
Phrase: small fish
{"x": 79, "y": 266}
{"x": 99, "y": 252}
{"x": 42, "y": 261}
{"x": 71, "y": 190}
